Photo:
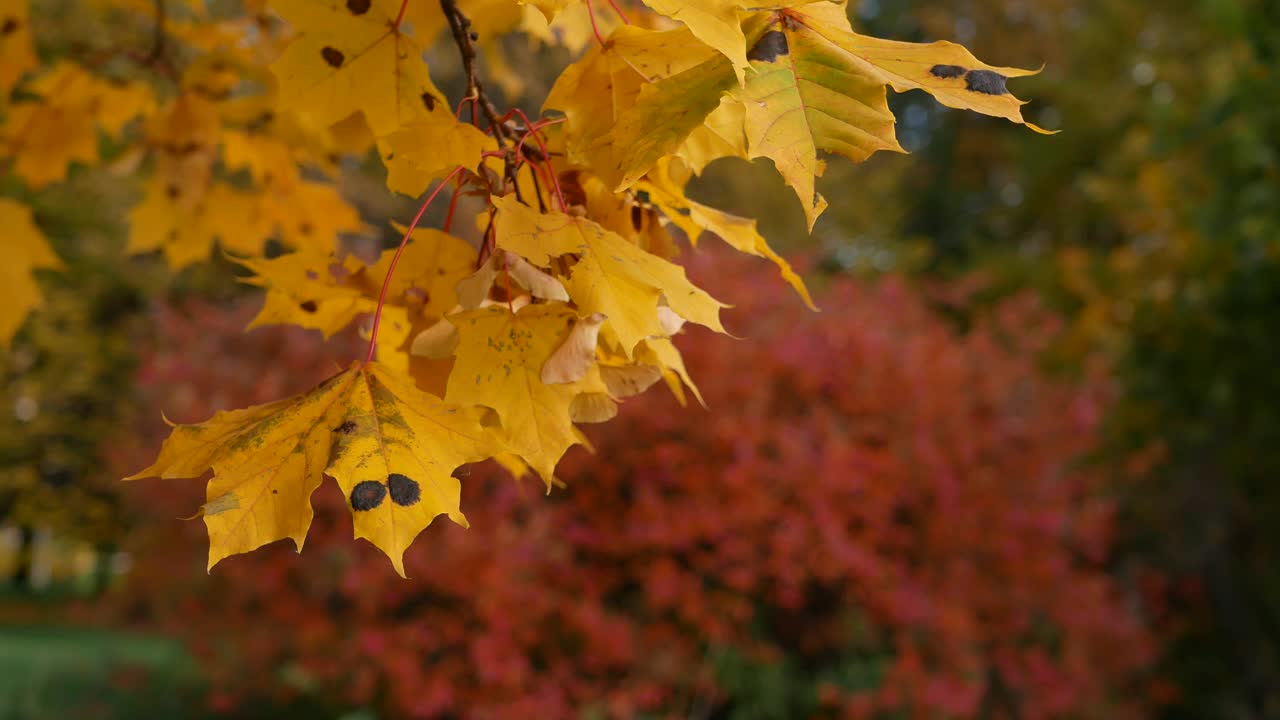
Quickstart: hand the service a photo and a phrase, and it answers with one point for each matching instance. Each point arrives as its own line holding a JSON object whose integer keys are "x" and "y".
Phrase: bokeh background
{"x": 1022, "y": 465}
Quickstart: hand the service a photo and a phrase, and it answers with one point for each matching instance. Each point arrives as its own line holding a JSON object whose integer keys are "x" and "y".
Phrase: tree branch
{"x": 464, "y": 38}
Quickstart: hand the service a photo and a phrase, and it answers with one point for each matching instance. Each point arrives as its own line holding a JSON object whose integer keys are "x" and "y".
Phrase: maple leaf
{"x": 595, "y": 91}
{"x": 814, "y": 86}
{"x": 429, "y": 270}
{"x": 819, "y": 86}
{"x": 17, "y": 56}
{"x": 664, "y": 116}
{"x": 308, "y": 289}
{"x": 26, "y": 250}
{"x": 268, "y": 160}
{"x": 720, "y": 135}
{"x": 351, "y": 56}
{"x": 311, "y": 215}
{"x": 805, "y": 95}
{"x": 666, "y": 191}
{"x": 663, "y": 353}
{"x": 390, "y": 447}
{"x": 428, "y": 149}
{"x": 500, "y": 360}
{"x": 60, "y": 126}
{"x": 549, "y": 8}
{"x": 184, "y": 136}
{"x": 611, "y": 276}
{"x": 718, "y": 23}
{"x": 185, "y": 233}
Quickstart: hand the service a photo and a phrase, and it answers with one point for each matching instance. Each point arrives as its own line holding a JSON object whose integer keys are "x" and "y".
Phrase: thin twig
{"x": 157, "y": 44}
{"x": 460, "y": 26}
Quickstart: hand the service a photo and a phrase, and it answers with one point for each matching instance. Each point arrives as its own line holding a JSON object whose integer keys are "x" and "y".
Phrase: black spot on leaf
{"x": 333, "y": 56}
{"x": 309, "y": 306}
{"x": 346, "y": 428}
{"x": 404, "y": 490}
{"x": 358, "y": 7}
{"x": 769, "y": 47}
{"x": 429, "y": 100}
{"x": 986, "y": 82}
{"x": 9, "y": 27}
{"x": 367, "y": 495}
{"x": 947, "y": 71}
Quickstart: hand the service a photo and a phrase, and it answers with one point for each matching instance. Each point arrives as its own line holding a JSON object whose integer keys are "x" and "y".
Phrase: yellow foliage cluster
{"x": 571, "y": 298}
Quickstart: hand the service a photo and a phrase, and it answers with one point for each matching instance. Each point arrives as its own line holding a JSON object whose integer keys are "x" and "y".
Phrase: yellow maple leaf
{"x": 349, "y": 56}
{"x": 814, "y": 86}
{"x": 183, "y": 136}
{"x": 572, "y": 27}
{"x": 611, "y": 276}
{"x": 720, "y": 135}
{"x": 663, "y": 116}
{"x": 45, "y": 135}
{"x": 308, "y": 289}
{"x": 664, "y": 354}
{"x": 428, "y": 149}
{"x": 666, "y": 191}
{"x": 17, "y": 56}
{"x": 26, "y": 250}
{"x": 804, "y": 95}
{"x": 596, "y": 91}
{"x": 390, "y": 447}
{"x": 185, "y": 234}
{"x": 268, "y": 160}
{"x": 500, "y": 357}
{"x": 429, "y": 269}
{"x": 312, "y": 215}
{"x": 549, "y": 8}
{"x": 718, "y": 23}
{"x": 945, "y": 70}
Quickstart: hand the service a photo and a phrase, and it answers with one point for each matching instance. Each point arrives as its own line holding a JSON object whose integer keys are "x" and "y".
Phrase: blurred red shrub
{"x": 890, "y": 509}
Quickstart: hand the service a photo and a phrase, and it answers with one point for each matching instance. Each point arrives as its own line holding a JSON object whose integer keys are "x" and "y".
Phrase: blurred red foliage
{"x": 867, "y": 479}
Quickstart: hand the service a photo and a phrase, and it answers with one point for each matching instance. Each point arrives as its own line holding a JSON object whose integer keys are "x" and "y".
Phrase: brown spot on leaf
{"x": 172, "y": 191}
{"x": 305, "y": 228}
{"x": 771, "y": 45}
{"x": 358, "y": 7}
{"x": 10, "y": 26}
{"x": 986, "y": 82}
{"x": 346, "y": 428}
{"x": 309, "y": 306}
{"x": 367, "y": 495}
{"x": 404, "y": 490}
{"x": 947, "y": 71}
{"x": 430, "y": 101}
{"x": 333, "y": 56}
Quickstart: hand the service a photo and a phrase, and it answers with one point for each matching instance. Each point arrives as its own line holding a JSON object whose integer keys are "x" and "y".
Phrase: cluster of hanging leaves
{"x": 570, "y": 300}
